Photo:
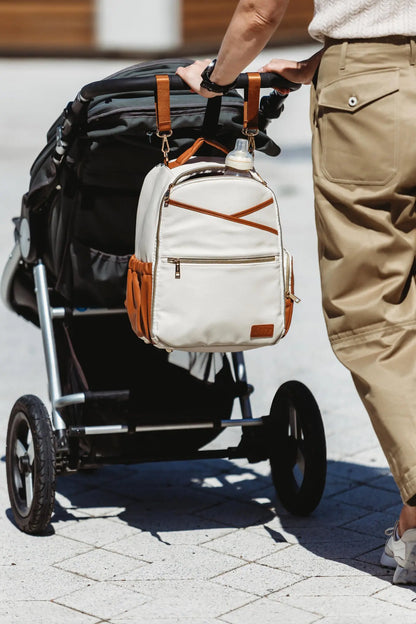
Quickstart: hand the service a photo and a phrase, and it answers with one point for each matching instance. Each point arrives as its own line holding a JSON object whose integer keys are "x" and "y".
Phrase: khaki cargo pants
{"x": 364, "y": 150}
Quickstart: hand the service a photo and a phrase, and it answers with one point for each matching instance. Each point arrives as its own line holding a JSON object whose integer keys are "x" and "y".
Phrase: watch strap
{"x": 209, "y": 85}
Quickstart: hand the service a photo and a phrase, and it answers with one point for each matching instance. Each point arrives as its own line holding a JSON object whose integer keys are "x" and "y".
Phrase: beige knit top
{"x": 362, "y": 19}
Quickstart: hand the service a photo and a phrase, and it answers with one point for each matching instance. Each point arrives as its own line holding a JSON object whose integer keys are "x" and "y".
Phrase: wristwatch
{"x": 207, "y": 84}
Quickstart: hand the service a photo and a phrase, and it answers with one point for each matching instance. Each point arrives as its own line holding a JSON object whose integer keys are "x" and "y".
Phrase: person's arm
{"x": 252, "y": 25}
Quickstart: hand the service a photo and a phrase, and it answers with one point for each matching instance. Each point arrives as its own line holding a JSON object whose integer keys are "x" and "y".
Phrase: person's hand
{"x": 192, "y": 76}
{"x": 301, "y": 72}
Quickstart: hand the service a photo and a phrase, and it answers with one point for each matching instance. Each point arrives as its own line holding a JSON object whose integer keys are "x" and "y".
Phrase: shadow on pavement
{"x": 347, "y": 528}
{"x": 359, "y": 503}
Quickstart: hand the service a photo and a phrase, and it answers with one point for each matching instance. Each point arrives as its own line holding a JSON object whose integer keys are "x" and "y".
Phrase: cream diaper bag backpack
{"x": 209, "y": 272}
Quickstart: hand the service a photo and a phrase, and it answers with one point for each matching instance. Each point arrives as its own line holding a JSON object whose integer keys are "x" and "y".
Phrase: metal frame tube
{"x": 240, "y": 375}
{"x": 109, "y": 429}
{"x": 70, "y": 399}
{"x": 59, "y": 313}
{"x": 49, "y": 345}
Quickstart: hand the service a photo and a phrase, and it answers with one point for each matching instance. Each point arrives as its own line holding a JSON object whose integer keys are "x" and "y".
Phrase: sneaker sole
{"x": 387, "y": 562}
{"x": 403, "y": 576}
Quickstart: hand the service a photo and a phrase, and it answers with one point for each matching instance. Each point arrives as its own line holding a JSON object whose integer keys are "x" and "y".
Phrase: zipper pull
{"x": 293, "y": 297}
{"x": 177, "y": 263}
{"x": 166, "y": 196}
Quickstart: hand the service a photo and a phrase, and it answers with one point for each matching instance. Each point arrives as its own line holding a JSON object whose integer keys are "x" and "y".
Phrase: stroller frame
{"x": 39, "y": 444}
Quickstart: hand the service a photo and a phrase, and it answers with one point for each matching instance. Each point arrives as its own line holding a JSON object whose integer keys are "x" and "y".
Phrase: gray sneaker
{"x": 400, "y": 553}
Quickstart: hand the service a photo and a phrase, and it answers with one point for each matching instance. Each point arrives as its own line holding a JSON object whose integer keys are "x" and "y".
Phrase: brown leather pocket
{"x": 139, "y": 296}
{"x": 290, "y": 296}
{"x": 288, "y": 313}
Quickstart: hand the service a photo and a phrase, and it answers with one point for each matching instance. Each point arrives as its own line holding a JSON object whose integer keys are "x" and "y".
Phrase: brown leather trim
{"x": 139, "y": 296}
{"x": 251, "y": 101}
{"x": 191, "y": 151}
{"x": 243, "y": 213}
{"x": 289, "y": 304}
{"x": 162, "y": 104}
{"x": 212, "y": 213}
{"x": 262, "y": 331}
{"x": 288, "y": 313}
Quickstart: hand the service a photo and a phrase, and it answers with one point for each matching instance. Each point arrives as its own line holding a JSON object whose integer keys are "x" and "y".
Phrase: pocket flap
{"x": 353, "y": 92}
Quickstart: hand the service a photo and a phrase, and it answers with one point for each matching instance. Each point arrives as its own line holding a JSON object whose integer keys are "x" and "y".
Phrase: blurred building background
{"x": 122, "y": 27}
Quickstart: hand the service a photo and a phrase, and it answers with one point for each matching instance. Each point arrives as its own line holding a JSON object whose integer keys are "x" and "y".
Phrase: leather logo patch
{"x": 262, "y": 331}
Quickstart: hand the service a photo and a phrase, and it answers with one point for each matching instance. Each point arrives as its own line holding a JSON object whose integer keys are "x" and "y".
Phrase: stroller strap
{"x": 162, "y": 103}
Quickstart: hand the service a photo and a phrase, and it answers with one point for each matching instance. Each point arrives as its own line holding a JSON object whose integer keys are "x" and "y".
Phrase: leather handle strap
{"x": 191, "y": 151}
{"x": 162, "y": 103}
{"x": 251, "y": 103}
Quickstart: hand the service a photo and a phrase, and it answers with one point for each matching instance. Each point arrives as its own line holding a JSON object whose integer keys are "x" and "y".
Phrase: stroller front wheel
{"x": 30, "y": 464}
{"x": 298, "y": 457}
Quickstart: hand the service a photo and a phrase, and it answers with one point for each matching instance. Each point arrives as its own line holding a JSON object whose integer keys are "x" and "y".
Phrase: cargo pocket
{"x": 139, "y": 297}
{"x": 357, "y": 128}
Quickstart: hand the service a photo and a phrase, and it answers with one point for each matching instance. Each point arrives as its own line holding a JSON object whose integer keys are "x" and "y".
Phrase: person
{"x": 363, "y": 98}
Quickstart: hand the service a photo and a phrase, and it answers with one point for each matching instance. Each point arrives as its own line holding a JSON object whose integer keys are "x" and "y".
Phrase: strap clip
{"x": 165, "y": 144}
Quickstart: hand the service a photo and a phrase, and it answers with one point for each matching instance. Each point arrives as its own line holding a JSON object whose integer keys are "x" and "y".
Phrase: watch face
{"x": 210, "y": 68}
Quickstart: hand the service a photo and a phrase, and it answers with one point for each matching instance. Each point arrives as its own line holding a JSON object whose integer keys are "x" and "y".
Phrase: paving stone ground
{"x": 202, "y": 542}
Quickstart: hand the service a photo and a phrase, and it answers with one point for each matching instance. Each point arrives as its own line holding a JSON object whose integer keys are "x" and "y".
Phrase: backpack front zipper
{"x": 244, "y": 260}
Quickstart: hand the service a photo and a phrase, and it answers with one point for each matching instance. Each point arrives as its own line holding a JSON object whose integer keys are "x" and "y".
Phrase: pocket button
{"x": 353, "y": 101}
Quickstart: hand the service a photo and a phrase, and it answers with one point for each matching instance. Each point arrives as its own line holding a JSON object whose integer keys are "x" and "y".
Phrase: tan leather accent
{"x": 243, "y": 213}
{"x": 162, "y": 103}
{"x": 139, "y": 296}
{"x": 262, "y": 331}
{"x": 191, "y": 151}
{"x": 288, "y": 313}
{"x": 289, "y": 304}
{"x": 219, "y": 215}
{"x": 251, "y": 102}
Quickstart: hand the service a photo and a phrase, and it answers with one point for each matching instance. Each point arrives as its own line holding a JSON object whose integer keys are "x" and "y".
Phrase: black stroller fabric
{"x": 83, "y": 215}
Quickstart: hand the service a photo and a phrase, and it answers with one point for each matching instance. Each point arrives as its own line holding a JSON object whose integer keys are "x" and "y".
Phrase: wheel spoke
{"x": 300, "y": 461}
{"x": 17, "y": 477}
{"x": 29, "y": 489}
{"x": 20, "y": 449}
{"x": 30, "y": 447}
{"x": 293, "y": 422}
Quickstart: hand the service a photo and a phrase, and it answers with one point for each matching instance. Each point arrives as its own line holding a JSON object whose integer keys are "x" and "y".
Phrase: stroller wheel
{"x": 298, "y": 458}
{"x": 30, "y": 464}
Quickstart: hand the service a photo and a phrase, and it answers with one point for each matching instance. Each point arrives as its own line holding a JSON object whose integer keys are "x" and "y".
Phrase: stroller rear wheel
{"x": 30, "y": 464}
{"x": 298, "y": 458}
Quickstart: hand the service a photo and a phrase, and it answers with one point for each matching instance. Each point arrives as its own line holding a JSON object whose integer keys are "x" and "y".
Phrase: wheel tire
{"x": 30, "y": 464}
{"x": 298, "y": 456}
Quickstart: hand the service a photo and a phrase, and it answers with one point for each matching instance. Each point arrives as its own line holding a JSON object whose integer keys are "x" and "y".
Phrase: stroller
{"x": 114, "y": 399}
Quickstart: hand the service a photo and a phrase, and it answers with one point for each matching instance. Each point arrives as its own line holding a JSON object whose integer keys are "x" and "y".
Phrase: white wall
{"x": 138, "y": 24}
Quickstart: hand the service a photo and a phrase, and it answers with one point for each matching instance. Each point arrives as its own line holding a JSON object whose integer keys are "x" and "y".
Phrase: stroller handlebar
{"x": 271, "y": 105}
{"x": 130, "y": 85}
